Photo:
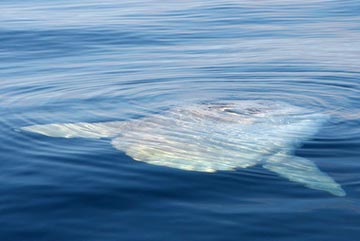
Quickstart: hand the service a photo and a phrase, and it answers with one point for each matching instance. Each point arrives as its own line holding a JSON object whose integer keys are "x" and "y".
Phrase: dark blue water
{"x": 63, "y": 61}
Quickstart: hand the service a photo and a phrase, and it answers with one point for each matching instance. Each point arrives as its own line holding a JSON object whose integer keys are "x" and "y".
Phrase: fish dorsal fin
{"x": 304, "y": 171}
{"x": 80, "y": 129}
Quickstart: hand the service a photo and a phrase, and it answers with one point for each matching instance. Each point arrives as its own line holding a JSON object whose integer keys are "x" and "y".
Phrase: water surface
{"x": 94, "y": 61}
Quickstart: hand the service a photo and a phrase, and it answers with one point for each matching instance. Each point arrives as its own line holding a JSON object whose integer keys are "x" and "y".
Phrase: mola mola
{"x": 215, "y": 137}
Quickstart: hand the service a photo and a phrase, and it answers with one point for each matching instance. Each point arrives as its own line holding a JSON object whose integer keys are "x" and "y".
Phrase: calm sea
{"x": 71, "y": 61}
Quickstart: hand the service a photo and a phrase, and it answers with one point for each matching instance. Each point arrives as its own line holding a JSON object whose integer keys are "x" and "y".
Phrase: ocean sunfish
{"x": 215, "y": 137}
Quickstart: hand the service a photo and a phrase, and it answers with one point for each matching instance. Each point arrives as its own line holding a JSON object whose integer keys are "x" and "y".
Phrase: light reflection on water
{"x": 101, "y": 61}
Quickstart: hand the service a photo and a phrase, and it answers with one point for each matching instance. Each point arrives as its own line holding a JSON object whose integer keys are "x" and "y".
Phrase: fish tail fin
{"x": 81, "y": 129}
{"x": 303, "y": 171}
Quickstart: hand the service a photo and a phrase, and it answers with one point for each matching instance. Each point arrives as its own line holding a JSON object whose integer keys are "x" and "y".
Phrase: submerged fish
{"x": 213, "y": 137}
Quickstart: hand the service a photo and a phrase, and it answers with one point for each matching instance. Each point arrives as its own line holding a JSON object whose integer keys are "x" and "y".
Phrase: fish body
{"x": 215, "y": 137}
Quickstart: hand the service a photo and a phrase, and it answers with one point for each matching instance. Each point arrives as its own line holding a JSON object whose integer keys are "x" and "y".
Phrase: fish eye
{"x": 232, "y": 111}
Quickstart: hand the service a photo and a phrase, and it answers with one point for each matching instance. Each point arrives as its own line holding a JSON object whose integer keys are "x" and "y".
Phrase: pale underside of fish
{"x": 215, "y": 137}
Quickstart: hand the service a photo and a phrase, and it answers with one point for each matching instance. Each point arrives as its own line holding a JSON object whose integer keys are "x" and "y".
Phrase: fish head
{"x": 247, "y": 112}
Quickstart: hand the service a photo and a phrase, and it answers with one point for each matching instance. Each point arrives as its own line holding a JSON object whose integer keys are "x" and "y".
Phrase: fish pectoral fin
{"x": 80, "y": 129}
{"x": 304, "y": 171}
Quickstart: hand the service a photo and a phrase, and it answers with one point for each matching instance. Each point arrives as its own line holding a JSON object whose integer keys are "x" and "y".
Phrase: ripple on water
{"x": 105, "y": 61}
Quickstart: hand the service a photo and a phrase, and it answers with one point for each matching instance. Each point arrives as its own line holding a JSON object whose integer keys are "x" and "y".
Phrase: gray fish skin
{"x": 215, "y": 137}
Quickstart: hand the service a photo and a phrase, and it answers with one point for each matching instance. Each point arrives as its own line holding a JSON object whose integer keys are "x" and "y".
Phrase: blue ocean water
{"x": 93, "y": 61}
